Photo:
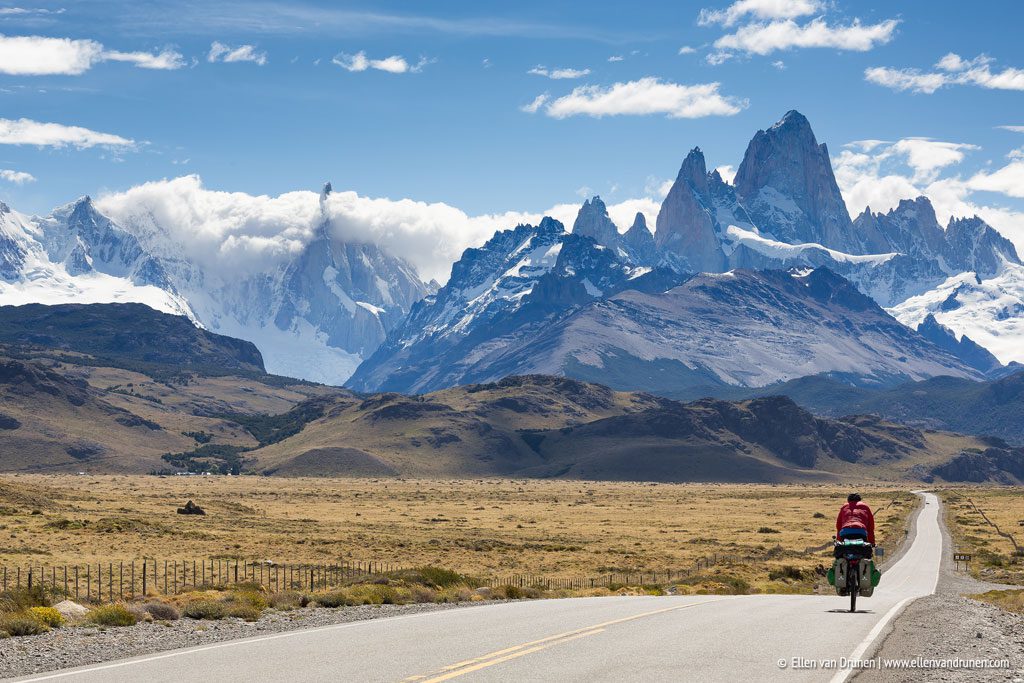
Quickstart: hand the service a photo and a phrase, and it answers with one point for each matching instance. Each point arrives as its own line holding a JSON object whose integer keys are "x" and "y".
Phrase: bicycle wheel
{"x": 853, "y": 583}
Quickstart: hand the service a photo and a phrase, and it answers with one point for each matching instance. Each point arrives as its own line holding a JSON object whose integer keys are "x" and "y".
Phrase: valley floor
{"x": 760, "y": 537}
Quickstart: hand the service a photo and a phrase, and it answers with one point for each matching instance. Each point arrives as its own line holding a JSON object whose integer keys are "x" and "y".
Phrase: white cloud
{"x": 765, "y": 38}
{"x": 760, "y": 9}
{"x": 16, "y": 177}
{"x": 927, "y": 156}
{"x": 718, "y": 57}
{"x": 395, "y": 64}
{"x": 687, "y": 50}
{"x": 536, "y": 104}
{"x": 29, "y": 132}
{"x": 727, "y": 172}
{"x": 1012, "y": 129}
{"x": 951, "y": 69}
{"x": 1008, "y": 180}
{"x": 641, "y": 97}
{"x": 779, "y": 64}
{"x": 219, "y": 52}
{"x": 616, "y": 58}
{"x": 27, "y": 11}
{"x": 234, "y": 233}
{"x": 558, "y": 74}
{"x": 42, "y": 56}
{"x": 166, "y": 60}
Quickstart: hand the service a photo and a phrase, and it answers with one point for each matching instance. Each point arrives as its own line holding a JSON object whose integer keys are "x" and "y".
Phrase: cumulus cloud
{"x": 16, "y": 177}
{"x": 219, "y": 52}
{"x": 237, "y": 233}
{"x": 29, "y": 132}
{"x": 763, "y": 39}
{"x": 42, "y": 56}
{"x": 759, "y": 9}
{"x": 1012, "y": 129}
{"x": 950, "y": 70}
{"x": 395, "y": 64}
{"x": 558, "y": 74}
{"x": 641, "y": 97}
{"x": 616, "y": 58}
{"x": 687, "y": 50}
{"x": 1008, "y": 180}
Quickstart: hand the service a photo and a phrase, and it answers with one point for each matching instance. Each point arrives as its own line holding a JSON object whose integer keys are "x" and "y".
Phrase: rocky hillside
{"x": 542, "y": 426}
{"x": 125, "y": 335}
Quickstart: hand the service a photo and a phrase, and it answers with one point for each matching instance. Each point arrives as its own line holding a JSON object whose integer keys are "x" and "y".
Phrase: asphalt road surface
{"x": 702, "y": 638}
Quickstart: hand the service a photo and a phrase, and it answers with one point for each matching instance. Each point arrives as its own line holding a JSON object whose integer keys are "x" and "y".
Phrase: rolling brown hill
{"x": 542, "y": 426}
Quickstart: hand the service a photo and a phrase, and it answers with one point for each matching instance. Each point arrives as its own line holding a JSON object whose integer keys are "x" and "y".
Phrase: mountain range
{"x": 748, "y": 283}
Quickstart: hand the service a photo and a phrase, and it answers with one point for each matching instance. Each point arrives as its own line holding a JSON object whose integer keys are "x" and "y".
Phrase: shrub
{"x": 442, "y": 578}
{"x": 285, "y": 600}
{"x": 48, "y": 616}
{"x": 20, "y": 599}
{"x": 205, "y": 609}
{"x": 255, "y": 599}
{"x": 333, "y": 599}
{"x": 242, "y": 610}
{"x": 22, "y": 624}
{"x": 4, "y": 634}
{"x": 787, "y": 572}
{"x": 423, "y": 594}
{"x": 818, "y": 515}
{"x": 161, "y": 611}
{"x": 768, "y": 530}
{"x": 111, "y": 615}
{"x": 510, "y": 592}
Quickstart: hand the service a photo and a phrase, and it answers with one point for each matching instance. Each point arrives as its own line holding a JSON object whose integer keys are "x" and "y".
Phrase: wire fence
{"x": 118, "y": 581}
{"x": 115, "y": 581}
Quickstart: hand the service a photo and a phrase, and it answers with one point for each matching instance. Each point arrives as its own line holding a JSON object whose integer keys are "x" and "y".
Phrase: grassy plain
{"x": 994, "y": 556}
{"x": 481, "y": 527}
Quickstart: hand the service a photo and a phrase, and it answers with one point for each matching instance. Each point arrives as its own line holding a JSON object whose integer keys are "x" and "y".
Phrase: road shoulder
{"x": 948, "y": 626}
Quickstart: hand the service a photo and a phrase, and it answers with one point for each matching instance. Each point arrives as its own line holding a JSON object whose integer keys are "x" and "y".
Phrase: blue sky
{"x": 428, "y": 100}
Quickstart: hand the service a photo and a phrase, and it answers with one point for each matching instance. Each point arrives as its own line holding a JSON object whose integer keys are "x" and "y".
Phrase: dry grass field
{"x": 995, "y": 557}
{"x": 482, "y": 527}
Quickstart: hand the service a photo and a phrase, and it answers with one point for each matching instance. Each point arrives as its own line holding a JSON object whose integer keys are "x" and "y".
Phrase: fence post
{"x": 120, "y": 581}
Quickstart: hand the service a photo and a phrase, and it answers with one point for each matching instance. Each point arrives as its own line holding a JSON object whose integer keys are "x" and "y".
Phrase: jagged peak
{"x": 694, "y": 170}
{"x": 549, "y": 224}
{"x": 639, "y": 222}
{"x": 792, "y": 118}
{"x": 327, "y": 189}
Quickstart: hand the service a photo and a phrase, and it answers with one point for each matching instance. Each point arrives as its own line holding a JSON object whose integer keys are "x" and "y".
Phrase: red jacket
{"x": 857, "y": 515}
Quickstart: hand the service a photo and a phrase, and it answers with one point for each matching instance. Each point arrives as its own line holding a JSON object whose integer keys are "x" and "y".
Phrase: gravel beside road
{"x": 947, "y": 626}
{"x": 80, "y": 645}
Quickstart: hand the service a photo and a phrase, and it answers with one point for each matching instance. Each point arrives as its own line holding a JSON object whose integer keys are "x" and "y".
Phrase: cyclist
{"x": 855, "y": 520}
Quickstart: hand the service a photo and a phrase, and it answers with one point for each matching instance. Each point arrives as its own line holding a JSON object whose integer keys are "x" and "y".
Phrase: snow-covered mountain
{"x": 314, "y": 316}
{"x": 744, "y": 328}
{"x": 519, "y": 305}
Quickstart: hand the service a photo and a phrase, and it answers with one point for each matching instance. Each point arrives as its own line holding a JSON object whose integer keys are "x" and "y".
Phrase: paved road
{"x": 705, "y": 638}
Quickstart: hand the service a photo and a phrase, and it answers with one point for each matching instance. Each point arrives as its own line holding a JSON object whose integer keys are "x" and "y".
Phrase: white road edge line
{"x": 844, "y": 674}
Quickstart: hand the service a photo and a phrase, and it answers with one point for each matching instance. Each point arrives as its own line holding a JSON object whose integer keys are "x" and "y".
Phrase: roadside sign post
{"x": 961, "y": 557}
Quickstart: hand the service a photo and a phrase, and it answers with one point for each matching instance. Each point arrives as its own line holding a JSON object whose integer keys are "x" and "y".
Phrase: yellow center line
{"x": 504, "y": 655}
